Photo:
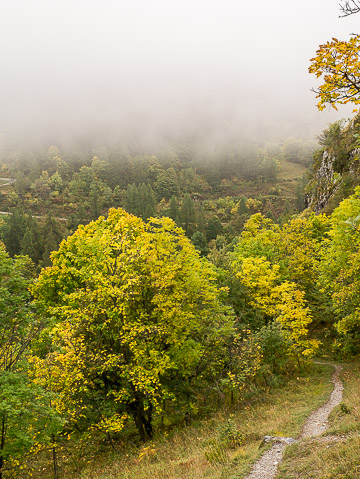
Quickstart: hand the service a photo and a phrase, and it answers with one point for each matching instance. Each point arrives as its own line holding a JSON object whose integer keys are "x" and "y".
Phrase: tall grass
{"x": 223, "y": 446}
{"x": 337, "y": 457}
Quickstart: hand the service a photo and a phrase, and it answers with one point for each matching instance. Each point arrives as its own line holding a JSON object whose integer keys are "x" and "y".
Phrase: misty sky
{"x": 152, "y": 67}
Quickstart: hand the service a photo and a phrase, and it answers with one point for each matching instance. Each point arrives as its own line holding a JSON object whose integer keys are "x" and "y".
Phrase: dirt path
{"x": 315, "y": 424}
{"x": 266, "y": 466}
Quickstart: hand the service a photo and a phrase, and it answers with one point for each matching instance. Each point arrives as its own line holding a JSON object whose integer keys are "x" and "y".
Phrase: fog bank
{"x": 148, "y": 70}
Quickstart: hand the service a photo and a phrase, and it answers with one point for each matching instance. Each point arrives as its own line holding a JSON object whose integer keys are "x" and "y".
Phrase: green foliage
{"x": 17, "y": 323}
{"x": 27, "y": 235}
{"x": 280, "y": 301}
{"x": 12, "y": 230}
{"x": 344, "y": 409}
{"x": 199, "y": 241}
{"x": 228, "y": 437}
{"x": 140, "y": 201}
{"x": 213, "y": 228}
{"x": 244, "y": 358}
{"x": 174, "y": 212}
{"x": 335, "y": 166}
{"x": 53, "y": 232}
{"x": 138, "y": 321}
{"x": 26, "y": 419}
{"x": 340, "y": 266}
{"x": 78, "y": 187}
{"x": 31, "y": 243}
{"x": 138, "y": 326}
{"x": 275, "y": 344}
{"x": 167, "y": 184}
{"x": 187, "y": 215}
{"x": 229, "y": 434}
{"x": 278, "y": 267}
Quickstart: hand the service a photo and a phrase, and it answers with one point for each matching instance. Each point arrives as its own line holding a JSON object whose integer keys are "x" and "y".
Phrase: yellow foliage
{"x": 337, "y": 62}
{"x": 281, "y": 301}
{"x": 134, "y": 306}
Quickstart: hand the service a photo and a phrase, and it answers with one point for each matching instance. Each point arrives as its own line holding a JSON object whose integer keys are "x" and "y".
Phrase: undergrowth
{"x": 223, "y": 446}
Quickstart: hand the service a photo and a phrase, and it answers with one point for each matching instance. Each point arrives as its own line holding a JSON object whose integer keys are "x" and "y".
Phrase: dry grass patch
{"x": 223, "y": 447}
{"x": 338, "y": 458}
{"x": 321, "y": 460}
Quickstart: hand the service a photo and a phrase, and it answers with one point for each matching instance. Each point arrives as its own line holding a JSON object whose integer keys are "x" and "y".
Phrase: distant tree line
{"x": 55, "y": 191}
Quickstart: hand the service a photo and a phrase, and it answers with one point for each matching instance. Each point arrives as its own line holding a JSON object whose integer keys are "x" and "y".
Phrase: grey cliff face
{"x": 325, "y": 183}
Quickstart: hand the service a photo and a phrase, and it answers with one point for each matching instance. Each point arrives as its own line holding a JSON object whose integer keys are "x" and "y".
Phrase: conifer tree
{"x": 32, "y": 243}
{"x": 187, "y": 215}
{"x": 12, "y": 230}
{"x": 132, "y": 199}
{"x": 174, "y": 212}
{"x": 214, "y": 228}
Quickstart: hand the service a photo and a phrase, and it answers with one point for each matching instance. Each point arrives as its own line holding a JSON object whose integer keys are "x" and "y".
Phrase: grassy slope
{"x": 199, "y": 451}
{"x": 288, "y": 176}
{"x": 339, "y": 459}
{"x": 287, "y": 180}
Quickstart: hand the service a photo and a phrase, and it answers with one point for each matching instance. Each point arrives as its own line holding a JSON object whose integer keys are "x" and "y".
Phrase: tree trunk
{"x": 54, "y": 459}
{"x": 142, "y": 419}
{"x": 2, "y": 444}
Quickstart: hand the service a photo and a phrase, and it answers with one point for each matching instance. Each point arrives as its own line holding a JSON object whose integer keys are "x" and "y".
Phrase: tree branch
{"x": 349, "y": 7}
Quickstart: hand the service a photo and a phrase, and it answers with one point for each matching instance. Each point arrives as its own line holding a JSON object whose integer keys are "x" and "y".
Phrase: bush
{"x": 275, "y": 345}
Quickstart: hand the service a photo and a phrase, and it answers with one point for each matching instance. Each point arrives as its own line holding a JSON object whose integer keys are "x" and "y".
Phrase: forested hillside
{"x": 204, "y": 289}
{"x": 208, "y": 194}
{"x": 179, "y": 251}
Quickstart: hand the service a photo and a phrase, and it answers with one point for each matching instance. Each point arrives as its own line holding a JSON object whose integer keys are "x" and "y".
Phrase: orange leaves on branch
{"x": 338, "y": 64}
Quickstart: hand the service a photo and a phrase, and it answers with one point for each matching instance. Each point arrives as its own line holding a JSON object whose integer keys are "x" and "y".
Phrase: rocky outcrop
{"x": 336, "y": 169}
{"x": 324, "y": 184}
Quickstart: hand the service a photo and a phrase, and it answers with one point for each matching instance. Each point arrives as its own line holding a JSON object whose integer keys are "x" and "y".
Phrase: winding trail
{"x": 6, "y": 181}
{"x": 315, "y": 424}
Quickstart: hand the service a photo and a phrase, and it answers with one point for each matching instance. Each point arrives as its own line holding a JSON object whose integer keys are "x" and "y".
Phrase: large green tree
{"x": 340, "y": 267}
{"x": 138, "y": 321}
{"x": 26, "y": 419}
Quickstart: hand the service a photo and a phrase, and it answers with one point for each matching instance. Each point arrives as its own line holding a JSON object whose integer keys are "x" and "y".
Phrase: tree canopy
{"x": 138, "y": 320}
{"x": 27, "y": 420}
{"x": 338, "y": 63}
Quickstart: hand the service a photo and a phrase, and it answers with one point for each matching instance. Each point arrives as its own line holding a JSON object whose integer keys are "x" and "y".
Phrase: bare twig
{"x": 349, "y": 7}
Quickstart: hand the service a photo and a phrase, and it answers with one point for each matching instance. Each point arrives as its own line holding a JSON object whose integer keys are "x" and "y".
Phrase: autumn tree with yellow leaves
{"x": 337, "y": 63}
{"x": 278, "y": 266}
{"x": 340, "y": 271}
{"x": 137, "y": 320}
